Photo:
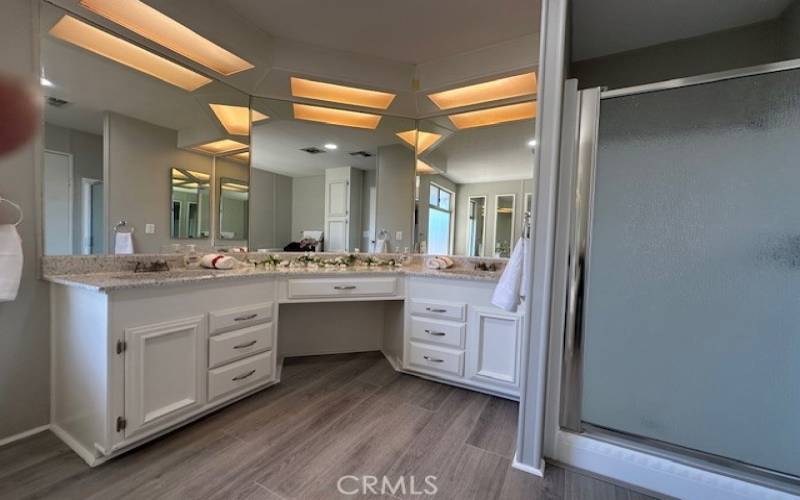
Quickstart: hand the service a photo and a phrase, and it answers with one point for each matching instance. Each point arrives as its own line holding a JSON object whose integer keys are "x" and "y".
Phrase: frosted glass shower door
{"x": 691, "y": 317}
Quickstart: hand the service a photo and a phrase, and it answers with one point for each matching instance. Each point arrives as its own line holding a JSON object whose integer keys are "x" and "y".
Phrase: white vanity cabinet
{"x": 130, "y": 364}
{"x": 453, "y": 333}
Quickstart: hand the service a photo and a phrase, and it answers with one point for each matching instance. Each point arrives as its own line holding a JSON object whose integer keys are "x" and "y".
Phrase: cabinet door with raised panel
{"x": 494, "y": 348}
{"x": 164, "y": 368}
{"x": 338, "y": 198}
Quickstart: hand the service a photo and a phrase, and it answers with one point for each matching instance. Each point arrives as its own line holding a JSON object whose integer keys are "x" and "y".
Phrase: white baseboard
{"x": 528, "y": 468}
{"x": 90, "y": 458}
{"x": 23, "y": 435}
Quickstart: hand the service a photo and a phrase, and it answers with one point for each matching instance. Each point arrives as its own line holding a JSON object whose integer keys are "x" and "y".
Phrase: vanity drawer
{"x": 437, "y": 359}
{"x": 437, "y": 331}
{"x": 453, "y": 311}
{"x": 239, "y": 374}
{"x": 238, "y": 317}
{"x": 341, "y": 287}
{"x": 238, "y": 344}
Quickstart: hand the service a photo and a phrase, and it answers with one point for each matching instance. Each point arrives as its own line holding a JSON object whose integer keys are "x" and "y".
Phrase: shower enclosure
{"x": 682, "y": 321}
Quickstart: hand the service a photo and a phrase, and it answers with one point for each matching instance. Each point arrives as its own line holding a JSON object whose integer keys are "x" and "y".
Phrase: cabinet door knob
{"x": 244, "y": 346}
{"x": 243, "y": 376}
{"x": 433, "y": 360}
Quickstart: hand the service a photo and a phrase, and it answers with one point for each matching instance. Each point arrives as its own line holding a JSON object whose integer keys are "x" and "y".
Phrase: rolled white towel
{"x": 216, "y": 261}
{"x": 509, "y": 290}
{"x": 10, "y": 262}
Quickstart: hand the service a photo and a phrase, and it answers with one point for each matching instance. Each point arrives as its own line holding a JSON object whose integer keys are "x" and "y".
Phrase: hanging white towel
{"x": 10, "y": 262}
{"x": 509, "y": 290}
{"x": 216, "y": 261}
{"x": 123, "y": 243}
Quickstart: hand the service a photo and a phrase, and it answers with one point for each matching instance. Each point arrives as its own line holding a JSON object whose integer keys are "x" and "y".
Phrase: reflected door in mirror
{"x": 190, "y": 204}
{"x": 476, "y": 226}
{"x": 504, "y": 225}
{"x": 234, "y": 199}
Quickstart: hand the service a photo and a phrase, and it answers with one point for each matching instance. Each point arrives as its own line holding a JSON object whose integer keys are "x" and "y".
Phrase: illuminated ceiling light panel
{"x": 425, "y": 140}
{"x": 424, "y": 168}
{"x": 342, "y": 94}
{"x": 221, "y": 146}
{"x": 493, "y": 116}
{"x": 236, "y": 119}
{"x": 333, "y": 116}
{"x": 165, "y": 31}
{"x": 118, "y": 50}
{"x": 494, "y": 90}
{"x": 243, "y": 156}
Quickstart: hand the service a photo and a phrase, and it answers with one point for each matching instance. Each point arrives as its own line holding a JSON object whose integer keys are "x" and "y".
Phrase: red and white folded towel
{"x": 216, "y": 261}
{"x": 439, "y": 262}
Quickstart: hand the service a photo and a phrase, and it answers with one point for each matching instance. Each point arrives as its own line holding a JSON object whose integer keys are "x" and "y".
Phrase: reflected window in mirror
{"x": 190, "y": 204}
{"x": 476, "y": 229}
{"x": 440, "y": 220}
{"x": 234, "y": 206}
{"x": 504, "y": 225}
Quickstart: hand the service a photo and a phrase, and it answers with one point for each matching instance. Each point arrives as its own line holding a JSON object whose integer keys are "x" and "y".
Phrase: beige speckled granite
{"x": 109, "y": 273}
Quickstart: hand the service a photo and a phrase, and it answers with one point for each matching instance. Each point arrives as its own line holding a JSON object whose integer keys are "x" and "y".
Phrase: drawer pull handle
{"x": 435, "y": 334}
{"x": 244, "y": 346}
{"x": 433, "y": 360}
{"x": 247, "y": 317}
{"x": 344, "y": 287}
{"x": 243, "y": 376}
{"x": 434, "y": 310}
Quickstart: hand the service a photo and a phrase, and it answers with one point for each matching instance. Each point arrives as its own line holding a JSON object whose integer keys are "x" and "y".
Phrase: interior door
{"x": 164, "y": 373}
{"x": 336, "y": 236}
{"x": 57, "y": 201}
{"x": 337, "y": 198}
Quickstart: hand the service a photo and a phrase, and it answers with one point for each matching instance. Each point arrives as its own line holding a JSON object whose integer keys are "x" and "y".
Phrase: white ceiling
{"x": 411, "y": 31}
{"x": 488, "y": 154}
{"x": 610, "y": 26}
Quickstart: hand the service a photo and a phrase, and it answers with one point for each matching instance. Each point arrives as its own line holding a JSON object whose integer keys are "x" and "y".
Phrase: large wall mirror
{"x": 329, "y": 179}
{"x": 134, "y": 154}
{"x": 474, "y": 182}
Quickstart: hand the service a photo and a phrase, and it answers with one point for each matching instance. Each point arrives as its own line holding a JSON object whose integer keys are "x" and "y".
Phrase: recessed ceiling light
{"x": 334, "y": 116}
{"x": 424, "y": 168}
{"x": 221, "y": 146}
{"x": 243, "y": 156}
{"x": 342, "y": 94}
{"x": 532, "y": 143}
{"x": 494, "y": 90}
{"x": 420, "y": 140}
{"x": 331, "y": 146}
{"x": 118, "y": 50}
{"x": 493, "y": 116}
{"x": 236, "y": 119}
{"x": 148, "y": 22}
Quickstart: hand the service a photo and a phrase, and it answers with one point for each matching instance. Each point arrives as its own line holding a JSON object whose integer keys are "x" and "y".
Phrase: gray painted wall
{"x": 24, "y": 323}
{"x": 368, "y": 208}
{"x": 395, "y": 187}
{"x": 270, "y": 209}
{"x": 308, "y": 204}
{"x": 137, "y": 173}
{"x": 230, "y": 170}
{"x": 750, "y": 45}
{"x": 87, "y": 162}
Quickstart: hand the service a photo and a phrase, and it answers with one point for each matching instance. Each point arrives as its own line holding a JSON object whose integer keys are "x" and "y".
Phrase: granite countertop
{"x": 110, "y": 281}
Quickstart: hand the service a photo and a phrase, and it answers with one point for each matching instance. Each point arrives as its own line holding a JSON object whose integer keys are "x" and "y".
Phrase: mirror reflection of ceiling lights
{"x": 236, "y": 119}
{"x": 323, "y": 91}
{"x": 220, "y": 147}
{"x": 333, "y": 116}
{"x": 493, "y": 90}
{"x": 167, "y": 32}
{"x": 85, "y": 36}
{"x": 422, "y": 140}
{"x": 494, "y": 116}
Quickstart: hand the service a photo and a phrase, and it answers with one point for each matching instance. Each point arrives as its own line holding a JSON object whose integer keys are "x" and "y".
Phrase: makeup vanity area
{"x": 177, "y": 172}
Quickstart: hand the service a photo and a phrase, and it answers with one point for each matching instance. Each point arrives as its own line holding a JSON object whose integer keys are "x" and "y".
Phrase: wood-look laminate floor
{"x": 329, "y": 417}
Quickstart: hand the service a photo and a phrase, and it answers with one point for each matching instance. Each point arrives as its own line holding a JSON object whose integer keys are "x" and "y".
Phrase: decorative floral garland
{"x": 310, "y": 260}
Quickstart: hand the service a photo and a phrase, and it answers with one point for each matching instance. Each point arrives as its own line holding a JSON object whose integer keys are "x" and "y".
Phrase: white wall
{"x": 24, "y": 323}
{"x": 395, "y": 188}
